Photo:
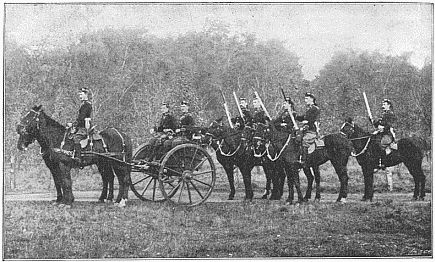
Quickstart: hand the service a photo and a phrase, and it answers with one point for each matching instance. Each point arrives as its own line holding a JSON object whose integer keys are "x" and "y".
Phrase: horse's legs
{"x": 229, "y": 170}
{"x": 310, "y": 180}
{"x": 246, "y": 174}
{"x": 268, "y": 173}
{"x": 277, "y": 175}
{"x": 56, "y": 173}
{"x": 106, "y": 175}
{"x": 419, "y": 179}
{"x": 68, "y": 197}
{"x": 293, "y": 175}
{"x": 317, "y": 179}
{"x": 341, "y": 171}
{"x": 368, "y": 182}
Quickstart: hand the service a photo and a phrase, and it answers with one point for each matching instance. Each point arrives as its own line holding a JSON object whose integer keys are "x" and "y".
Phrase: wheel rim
{"x": 187, "y": 175}
{"x": 145, "y": 183}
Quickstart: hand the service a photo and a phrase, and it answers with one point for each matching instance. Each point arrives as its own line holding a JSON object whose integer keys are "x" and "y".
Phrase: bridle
{"x": 22, "y": 128}
{"x": 352, "y": 131}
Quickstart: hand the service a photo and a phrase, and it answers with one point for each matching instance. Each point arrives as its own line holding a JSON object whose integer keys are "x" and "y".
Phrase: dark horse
{"x": 280, "y": 148}
{"x": 368, "y": 151}
{"x": 233, "y": 149}
{"x": 36, "y": 125}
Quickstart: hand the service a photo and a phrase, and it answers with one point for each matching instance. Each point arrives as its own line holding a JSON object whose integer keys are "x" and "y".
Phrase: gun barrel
{"x": 262, "y": 105}
{"x": 368, "y": 106}
{"x": 227, "y": 111}
{"x": 238, "y": 106}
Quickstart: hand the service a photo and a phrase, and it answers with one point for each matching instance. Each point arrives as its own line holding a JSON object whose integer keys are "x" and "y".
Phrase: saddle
{"x": 318, "y": 143}
{"x": 89, "y": 137}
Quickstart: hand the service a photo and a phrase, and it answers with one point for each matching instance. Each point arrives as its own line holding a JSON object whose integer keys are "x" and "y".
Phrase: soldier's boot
{"x": 389, "y": 177}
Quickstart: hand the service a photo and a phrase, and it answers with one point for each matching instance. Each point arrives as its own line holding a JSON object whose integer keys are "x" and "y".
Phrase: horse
{"x": 368, "y": 151}
{"x": 233, "y": 149}
{"x": 280, "y": 148}
{"x": 56, "y": 149}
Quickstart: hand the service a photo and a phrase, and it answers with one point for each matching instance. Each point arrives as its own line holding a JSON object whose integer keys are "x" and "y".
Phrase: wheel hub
{"x": 187, "y": 175}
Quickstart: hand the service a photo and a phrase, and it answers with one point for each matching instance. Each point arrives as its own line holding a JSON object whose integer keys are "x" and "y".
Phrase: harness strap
{"x": 227, "y": 154}
{"x": 364, "y": 149}
{"x": 282, "y": 149}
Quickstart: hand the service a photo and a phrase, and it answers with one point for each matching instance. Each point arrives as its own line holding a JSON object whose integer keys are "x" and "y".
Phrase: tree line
{"x": 130, "y": 72}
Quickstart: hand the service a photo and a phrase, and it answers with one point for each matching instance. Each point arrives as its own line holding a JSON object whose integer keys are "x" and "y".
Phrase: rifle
{"x": 295, "y": 124}
{"x": 368, "y": 107}
{"x": 262, "y": 105}
{"x": 227, "y": 111}
{"x": 238, "y": 107}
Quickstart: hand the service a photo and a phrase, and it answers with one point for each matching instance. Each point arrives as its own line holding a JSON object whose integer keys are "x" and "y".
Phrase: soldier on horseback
{"x": 82, "y": 123}
{"x": 259, "y": 115}
{"x": 283, "y": 121}
{"x": 384, "y": 127}
{"x": 310, "y": 121}
{"x": 246, "y": 118}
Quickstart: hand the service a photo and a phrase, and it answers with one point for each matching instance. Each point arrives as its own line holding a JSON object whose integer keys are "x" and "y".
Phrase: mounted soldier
{"x": 82, "y": 124}
{"x": 164, "y": 130}
{"x": 385, "y": 129}
{"x": 259, "y": 116}
{"x": 283, "y": 121}
{"x": 310, "y": 121}
{"x": 245, "y": 118}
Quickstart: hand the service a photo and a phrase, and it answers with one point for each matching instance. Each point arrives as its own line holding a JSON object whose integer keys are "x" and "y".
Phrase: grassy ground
{"x": 392, "y": 226}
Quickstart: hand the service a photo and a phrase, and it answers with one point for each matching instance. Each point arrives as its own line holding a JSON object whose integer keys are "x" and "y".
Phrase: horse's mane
{"x": 51, "y": 121}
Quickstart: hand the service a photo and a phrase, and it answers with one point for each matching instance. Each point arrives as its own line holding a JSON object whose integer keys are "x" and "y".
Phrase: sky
{"x": 313, "y": 31}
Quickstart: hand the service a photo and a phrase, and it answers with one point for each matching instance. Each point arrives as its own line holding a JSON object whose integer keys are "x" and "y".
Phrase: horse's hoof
{"x": 122, "y": 203}
{"x": 55, "y": 203}
{"x": 342, "y": 200}
{"x": 231, "y": 197}
{"x": 101, "y": 201}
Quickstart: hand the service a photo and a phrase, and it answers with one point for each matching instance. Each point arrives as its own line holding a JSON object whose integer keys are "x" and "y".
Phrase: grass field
{"x": 389, "y": 227}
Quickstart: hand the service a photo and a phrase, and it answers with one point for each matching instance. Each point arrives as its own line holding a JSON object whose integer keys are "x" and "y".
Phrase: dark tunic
{"x": 247, "y": 116}
{"x": 167, "y": 121}
{"x": 186, "y": 120}
{"x": 283, "y": 121}
{"x": 311, "y": 115}
{"x": 259, "y": 117}
{"x": 85, "y": 111}
{"x": 387, "y": 120}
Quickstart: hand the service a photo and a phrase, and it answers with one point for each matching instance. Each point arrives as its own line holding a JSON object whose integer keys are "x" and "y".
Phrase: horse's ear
{"x": 349, "y": 119}
{"x": 38, "y": 108}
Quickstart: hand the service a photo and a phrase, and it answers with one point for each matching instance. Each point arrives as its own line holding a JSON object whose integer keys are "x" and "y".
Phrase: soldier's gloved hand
{"x": 69, "y": 125}
{"x": 152, "y": 131}
{"x": 305, "y": 122}
{"x": 283, "y": 124}
{"x": 381, "y": 128}
{"x": 178, "y": 130}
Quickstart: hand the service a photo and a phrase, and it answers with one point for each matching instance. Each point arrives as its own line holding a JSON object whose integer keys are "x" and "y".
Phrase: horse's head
{"x": 348, "y": 128}
{"x": 261, "y": 135}
{"x": 28, "y": 128}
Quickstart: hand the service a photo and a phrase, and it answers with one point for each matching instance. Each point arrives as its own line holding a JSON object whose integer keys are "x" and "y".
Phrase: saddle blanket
{"x": 317, "y": 144}
{"x": 94, "y": 136}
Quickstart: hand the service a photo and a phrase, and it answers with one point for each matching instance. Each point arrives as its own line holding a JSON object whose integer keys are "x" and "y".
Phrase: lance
{"x": 295, "y": 124}
{"x": 368, "y": 107}
{"x": 227, "y": 111}
{"x": 238, "y": 106}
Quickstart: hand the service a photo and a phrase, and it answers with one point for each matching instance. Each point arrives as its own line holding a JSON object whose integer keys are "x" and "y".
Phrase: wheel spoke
{"x": 181, "y": 191}
{"x": 199, "y": 181}
{"x": 174, "y": 189}
{"x": 154, "y": 189}
{"x": 193, "y": 157}
{"x": 175, "y": 171}
{"x": 141, "y": 180}
{"x": 196, "y": 189}
{"x": 145, "y": 189}
{"x": 200, "y": 163}
{"x": 188, "y": 192}
{"x": 202, "y": 173}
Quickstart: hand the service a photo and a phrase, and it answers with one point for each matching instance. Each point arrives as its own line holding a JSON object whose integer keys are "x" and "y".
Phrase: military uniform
{"x": 186, "y": 123}
{"x": 309, "y": 130}
{"x": 284, "y": 121}
{"x": 167, "y": 122}
{"x": 259, "y": 116}
{"x": 85, "y": 111}
{"x": 387, "y": 136}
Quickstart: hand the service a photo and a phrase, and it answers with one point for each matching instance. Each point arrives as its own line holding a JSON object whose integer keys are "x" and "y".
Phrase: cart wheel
{"x": 145, "y": 181}
{"x": 187, "y": 175}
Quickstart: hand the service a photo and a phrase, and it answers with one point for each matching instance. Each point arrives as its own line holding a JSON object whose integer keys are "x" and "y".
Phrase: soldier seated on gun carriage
{"x": 162, "y": 132}
{"x": 385, "y": 132}
{"x": 80, "y": 128}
